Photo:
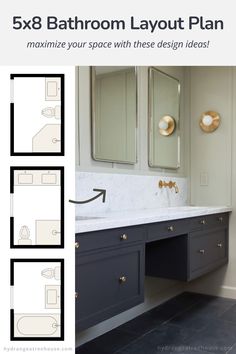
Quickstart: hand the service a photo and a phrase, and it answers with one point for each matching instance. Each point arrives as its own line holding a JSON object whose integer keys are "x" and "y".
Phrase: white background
{"x": 68, "y": 162}
{"x": 221, "y": 51}
{"x": 13, "y": 52}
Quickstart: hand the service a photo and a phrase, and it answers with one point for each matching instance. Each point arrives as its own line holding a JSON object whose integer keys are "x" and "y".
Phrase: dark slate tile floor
{"x": 188, "y": 323}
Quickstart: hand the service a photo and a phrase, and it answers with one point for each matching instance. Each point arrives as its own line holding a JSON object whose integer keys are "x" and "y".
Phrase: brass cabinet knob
{"x": 122, "y": 279}
{"x": 76, "y": 244}
{"x": 219, "y": 245}
{"x": 170, "y": 228}
{"x": 124, "y": 237}
{"x": 76, "y": 295}
{"x": 202, "y": 251}
{"x": 203, "y": 222}
{"x": 220, "y": 219}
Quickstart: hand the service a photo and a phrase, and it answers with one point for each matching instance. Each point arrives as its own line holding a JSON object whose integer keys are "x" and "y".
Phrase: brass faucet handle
{"x": 174, "y": 185}
{"x": 176, "y": 188}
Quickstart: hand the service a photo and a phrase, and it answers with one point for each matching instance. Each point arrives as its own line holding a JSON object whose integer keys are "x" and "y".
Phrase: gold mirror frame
{"x": 177, "y": 123}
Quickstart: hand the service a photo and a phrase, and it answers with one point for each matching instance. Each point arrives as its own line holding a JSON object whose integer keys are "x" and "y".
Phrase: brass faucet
{"x": 169, "y": 184}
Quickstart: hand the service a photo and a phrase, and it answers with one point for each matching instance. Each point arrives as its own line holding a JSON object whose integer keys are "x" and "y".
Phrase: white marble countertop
{"x": 102, "y": 221}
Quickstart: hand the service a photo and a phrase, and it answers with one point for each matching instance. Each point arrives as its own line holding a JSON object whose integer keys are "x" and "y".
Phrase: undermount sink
{"x": 189, "y": 207}
{"x": 80, "y": 217}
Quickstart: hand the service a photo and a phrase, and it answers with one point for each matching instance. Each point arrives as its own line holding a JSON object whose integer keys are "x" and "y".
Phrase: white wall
{"x": 214, "y": 88}
{"x": 211, "y": 89}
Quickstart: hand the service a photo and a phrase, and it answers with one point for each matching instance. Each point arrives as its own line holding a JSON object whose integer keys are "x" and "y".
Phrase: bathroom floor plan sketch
{"x": 37, "y": 299}
{"x": 37, "y": 114}
{"x": 37, "y": 207}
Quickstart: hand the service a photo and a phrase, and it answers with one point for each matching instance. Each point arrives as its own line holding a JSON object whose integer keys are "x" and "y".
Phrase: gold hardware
{"x": 219, "y": 245}
{"x": 220, "y": 218}
{"x": 209, "y": 121}
{"x": 169, "y": 184}
{"x": 76, "y": 295}
{"x": 203, "y": 222}
{"x": 122, "y": 279}
{"x": 76, "y": 244}
{"x": 202, "y": 251}
{"x": 167, "y": 125}
{"x": 124, "y": 237}
{"x": 170, "y": 228}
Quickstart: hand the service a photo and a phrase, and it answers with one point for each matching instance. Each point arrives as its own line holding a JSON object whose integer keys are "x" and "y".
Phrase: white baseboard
{"x": 228, "y": 291}
{"x": 222, "y": 291}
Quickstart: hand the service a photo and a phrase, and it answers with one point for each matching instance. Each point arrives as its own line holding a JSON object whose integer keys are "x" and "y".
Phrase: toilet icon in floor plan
{"x": 52, "y": 112}
{"x": 24, "y": 236}
{"x": 50, "y": 273}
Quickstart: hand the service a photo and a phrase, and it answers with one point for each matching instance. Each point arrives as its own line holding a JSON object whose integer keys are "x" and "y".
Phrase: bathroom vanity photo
{"x": 154, "y": 229}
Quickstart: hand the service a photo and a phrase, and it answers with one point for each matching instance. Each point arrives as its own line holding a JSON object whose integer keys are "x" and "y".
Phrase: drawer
{"x": 107, "y": 238}
{"x": 207, "y": 249}
{"x": 206, "y": 221}
{"x": 108, "y": 283}
{"x": 217, "y": 220}
{"x": 167, "y": 229}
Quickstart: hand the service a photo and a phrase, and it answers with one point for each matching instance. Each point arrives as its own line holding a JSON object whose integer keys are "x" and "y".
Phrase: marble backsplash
{"x": 127, "y": 192}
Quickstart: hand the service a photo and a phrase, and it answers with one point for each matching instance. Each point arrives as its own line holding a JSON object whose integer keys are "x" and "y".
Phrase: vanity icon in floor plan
{"x": 37, "y": 299}
{"x": 37, "y": 114}
{"x": 37, "y": 207}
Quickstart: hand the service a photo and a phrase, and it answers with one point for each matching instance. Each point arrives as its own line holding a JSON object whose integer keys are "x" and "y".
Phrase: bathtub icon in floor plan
{"x": 36, "y": 325}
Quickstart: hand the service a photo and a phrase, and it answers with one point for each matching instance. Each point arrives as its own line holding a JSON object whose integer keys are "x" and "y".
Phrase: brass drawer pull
{"x": 122, "y": 279}
{"x": 219, "y": 245}
{"x": 124, "y": 237}
{"x": 170, "y": 228}
{"x": 203, "y": 222}
{"x": 76, "y": 295}
{"x": 220, "y": 219}
{"x": 76, "y": 244}
{"x": 202, "y": 251}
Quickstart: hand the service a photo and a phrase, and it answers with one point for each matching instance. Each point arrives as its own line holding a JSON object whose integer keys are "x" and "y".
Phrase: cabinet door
{"x": 107, "y": 283}
{"x": 207, "y": 251}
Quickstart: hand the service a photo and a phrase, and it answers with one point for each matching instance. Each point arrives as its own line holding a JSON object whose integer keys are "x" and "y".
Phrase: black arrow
{"x": 102, "y": 192}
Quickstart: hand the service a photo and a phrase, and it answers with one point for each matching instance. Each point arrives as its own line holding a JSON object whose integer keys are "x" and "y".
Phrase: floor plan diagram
{"x": 37, "y": 207}
{"x": 37, "y": 299}
{"x": 37, "y": 114}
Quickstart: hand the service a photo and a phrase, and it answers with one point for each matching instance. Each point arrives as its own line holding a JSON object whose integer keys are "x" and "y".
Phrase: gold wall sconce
{"x": 209, "y": 121}
{"x": 166, "y": 125}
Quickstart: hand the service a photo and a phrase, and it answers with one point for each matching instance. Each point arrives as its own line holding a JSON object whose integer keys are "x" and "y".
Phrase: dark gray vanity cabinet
{"x": 109, "y": 274}
{"x": 111, "y": 264}
{"x": 208, "y": 250}
{"x": 191, "y": 247}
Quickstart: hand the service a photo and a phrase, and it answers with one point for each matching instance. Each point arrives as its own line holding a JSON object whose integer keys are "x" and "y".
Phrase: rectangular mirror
{"x": 114, "y": 113}
{"x": 164, "y": 105}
